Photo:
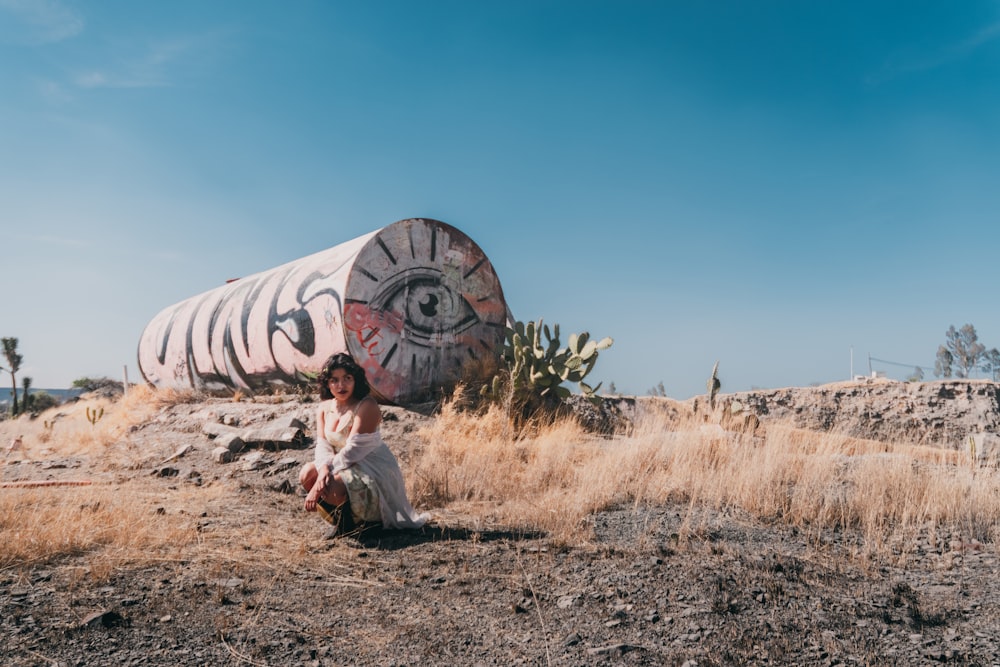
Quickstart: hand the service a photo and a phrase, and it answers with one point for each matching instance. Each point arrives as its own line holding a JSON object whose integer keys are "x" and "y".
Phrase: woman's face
{"x": 341, "y": 384}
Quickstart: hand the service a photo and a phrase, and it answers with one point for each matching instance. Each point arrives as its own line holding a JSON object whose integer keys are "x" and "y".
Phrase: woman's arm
{"x": 367, "y": 416}
{"x": 323, "y": 473}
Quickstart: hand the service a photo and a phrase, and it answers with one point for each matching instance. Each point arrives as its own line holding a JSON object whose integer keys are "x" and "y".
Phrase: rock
{"x": 104, "y": 618}
{"x": 184, "y": 449}
{"x": 567, "y": 601}
{"x": 222, "y": 455}
{"x": 255, "y": 461}
{"x": 231, "y": 441}
{"x": 288, "y": 422}
{"x": 280, "y": 437}
{"x": 284, "y": 486}
{"x": 572, "y": 639}
{"x": 612, "y": 649}
{"x": 214, "y": 429}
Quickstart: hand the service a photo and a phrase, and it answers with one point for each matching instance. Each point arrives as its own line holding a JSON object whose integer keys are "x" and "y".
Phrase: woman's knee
{"x": 307, "y": 476}
{"x": 336, "y": 492}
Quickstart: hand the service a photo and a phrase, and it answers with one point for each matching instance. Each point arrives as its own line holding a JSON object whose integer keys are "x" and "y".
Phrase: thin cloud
{"x": 59, "y": 240}
{"x": 948, "y": 54}
{"x": 52, "y": 91}
{"x": 40, "y": 21}
{"x": 157, "y": 67}
{"x": 106, "y": 79}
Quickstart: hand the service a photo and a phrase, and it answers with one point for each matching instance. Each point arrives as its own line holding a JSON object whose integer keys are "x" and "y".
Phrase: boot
{"x": 341, "y": 518}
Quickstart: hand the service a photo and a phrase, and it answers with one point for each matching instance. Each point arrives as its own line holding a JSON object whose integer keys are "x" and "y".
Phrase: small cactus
{"x": 94, "y": 416}
{"x": 713, "y": 385}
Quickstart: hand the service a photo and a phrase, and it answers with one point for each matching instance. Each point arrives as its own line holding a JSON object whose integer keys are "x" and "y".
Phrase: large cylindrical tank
{"x": 413, "y": 303}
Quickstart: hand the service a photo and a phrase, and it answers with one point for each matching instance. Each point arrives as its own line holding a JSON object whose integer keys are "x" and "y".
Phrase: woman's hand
{"x": 319, "y": 487}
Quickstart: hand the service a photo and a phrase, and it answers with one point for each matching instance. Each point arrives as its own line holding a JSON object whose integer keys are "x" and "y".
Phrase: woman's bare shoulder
{"x": 368, "y": 413}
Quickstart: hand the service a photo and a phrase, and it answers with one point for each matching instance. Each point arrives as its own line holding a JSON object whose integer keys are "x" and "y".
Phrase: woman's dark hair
{"x": 345, "y": 361}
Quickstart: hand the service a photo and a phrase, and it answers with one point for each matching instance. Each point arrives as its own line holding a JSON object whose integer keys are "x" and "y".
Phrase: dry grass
{"x": 552, "y": 479}
{"x": 123, "y": 523}
{"x": 109, "y": 524}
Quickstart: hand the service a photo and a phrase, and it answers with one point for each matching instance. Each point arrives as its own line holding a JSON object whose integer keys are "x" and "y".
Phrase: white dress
{"x": 372, "y": 475}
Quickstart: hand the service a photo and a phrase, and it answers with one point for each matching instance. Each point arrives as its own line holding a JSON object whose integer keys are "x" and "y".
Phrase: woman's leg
{"x": 335, "y": 492}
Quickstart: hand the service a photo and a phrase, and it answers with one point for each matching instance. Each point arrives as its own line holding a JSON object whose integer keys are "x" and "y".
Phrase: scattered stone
{"x": 284, "y": 486}
{"x": 572, "y": 639}
{"x": 567, "y": 601}
{"x": 231, "y": 441}
{"x": 104, "y": 618}
{"x": 282, "y": 465}
{"x": 279, "y": 437}
{"x": 215, "y": 430}
{"x": 255, "y": 461}
{"x": 184, "y": 449}
{"x": 612, "y": 649}
{"x": 222, "y": 455}
{"x": 166, "y": 471}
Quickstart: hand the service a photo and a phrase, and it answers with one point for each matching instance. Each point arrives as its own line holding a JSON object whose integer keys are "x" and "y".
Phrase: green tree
{"x": 42, "y": 401}
{"x": 25, "y": 397}
{"x": 943, "y": 362}
{"x": 94, "y": 384}
{"x": 961, "y": 352}
{"x": 991, "y": 364}
{"x": 14, "y": 361}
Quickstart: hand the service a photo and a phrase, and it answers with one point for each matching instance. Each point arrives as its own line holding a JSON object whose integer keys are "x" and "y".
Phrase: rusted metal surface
{"x": 412, "y": 303}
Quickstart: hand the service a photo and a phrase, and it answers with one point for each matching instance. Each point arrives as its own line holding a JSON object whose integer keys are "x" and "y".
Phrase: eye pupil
{"x": 429, "y": 307}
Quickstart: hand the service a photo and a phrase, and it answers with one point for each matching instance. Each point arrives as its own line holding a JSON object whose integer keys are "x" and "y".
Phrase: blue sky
{"x": 766, "y": 184}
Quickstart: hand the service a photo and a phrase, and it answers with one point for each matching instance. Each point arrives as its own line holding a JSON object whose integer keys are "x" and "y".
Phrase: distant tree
{"x": 917, "y": 375}
{"x": 14, "y": 361}
{"x": 93, "y": 384}
{"x": 965, "y": 349}
{"x": 658, "y": 390}
{"x": 991, "y": 364}
{"x": 26, "y": 397}
{"x": 612, "y": 389}
{"x": 42, "y": 401}
{"x": 942, "y": 364}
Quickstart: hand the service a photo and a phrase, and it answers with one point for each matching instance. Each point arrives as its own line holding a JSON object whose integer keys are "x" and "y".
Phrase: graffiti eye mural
{"x": 429, "y": 307}
{"x": 412, "y": 302}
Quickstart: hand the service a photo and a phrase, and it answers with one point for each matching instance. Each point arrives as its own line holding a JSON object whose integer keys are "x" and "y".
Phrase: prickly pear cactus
{"x": 538, "y": 366}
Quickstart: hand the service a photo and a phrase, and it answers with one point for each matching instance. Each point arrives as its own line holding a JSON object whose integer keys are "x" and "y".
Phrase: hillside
{"x": 170, "y": 558}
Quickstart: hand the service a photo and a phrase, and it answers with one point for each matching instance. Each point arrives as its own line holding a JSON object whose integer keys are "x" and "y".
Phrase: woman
{"x": 354, "y": 479}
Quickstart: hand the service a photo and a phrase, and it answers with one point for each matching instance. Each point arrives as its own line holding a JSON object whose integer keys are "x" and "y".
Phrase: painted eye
{"x": 429, "y": 307}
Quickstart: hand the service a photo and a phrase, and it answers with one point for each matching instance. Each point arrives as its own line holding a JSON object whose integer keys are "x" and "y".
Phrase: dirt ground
{"x": 461, "y": 591}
